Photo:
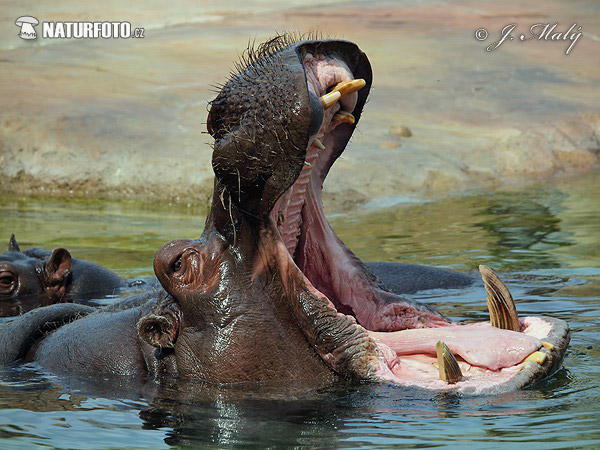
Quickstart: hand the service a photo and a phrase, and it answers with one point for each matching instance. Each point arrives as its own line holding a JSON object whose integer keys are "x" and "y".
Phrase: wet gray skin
{"x": 36, "y": 277}
{"x": 268, "y": 292}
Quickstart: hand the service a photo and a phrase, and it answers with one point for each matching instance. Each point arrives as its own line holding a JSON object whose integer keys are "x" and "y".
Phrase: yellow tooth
{"x": 503, "y": 312}
{"x": 330, "y": 99}
{"x": 319, "y": 144}
{"x": 548, "y": 345}
{"x": 538, "y": 357}
{"x": 447, "y": 365}
{"x": 348, "y": 87}
{"x": 343, "y": 116}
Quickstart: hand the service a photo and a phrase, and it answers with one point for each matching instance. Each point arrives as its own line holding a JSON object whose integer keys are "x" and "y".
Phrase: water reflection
{"x": 527, "y": 227}
{"x": 195, "y": 414}
{"x": 213, "y": 416}
{"x": 509, "y": 230}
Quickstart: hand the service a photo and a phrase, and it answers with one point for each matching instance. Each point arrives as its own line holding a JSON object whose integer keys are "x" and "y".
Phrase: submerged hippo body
{"x": 37, "y": 277}
{"x": 269, "y": 292}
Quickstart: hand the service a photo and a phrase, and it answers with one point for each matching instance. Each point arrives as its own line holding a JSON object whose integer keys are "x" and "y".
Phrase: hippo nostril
{"x": 177, "y": 264}
{"x": 187, "y": 256}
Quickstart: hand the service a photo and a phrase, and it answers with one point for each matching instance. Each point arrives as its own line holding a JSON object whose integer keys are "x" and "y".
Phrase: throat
{"x": 329, "y": 265}
{"x": 288, "y": 210}
{"x": 315, "y": 248}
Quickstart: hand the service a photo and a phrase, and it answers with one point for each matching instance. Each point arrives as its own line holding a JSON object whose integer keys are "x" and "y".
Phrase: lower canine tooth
{"x": 348, "y": 87}
{"x": 503, "y": 313}
{"x": 538, "y": 357}
{"x": 343, "y": 116}
{"x": 448, "y": 366}
{"x": 330, "y": 99}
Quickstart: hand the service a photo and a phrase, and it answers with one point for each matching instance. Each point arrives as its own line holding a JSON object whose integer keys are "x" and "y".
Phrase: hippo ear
{"x": 57, "y": 270}
{"x": 160, "y": 329}
{"x": 157, "y": 331}
{"x": 12, "y": 244}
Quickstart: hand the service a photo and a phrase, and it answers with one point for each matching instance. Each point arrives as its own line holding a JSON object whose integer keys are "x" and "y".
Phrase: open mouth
{"x": 414, "y": 344}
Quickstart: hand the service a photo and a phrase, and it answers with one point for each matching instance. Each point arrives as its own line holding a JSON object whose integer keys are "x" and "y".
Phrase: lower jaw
{"x": 422, "y": 369}
{"x": 417, "y": 366}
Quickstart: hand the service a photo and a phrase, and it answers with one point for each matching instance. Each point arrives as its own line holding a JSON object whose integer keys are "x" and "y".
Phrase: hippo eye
{"x": 177, "y": 264}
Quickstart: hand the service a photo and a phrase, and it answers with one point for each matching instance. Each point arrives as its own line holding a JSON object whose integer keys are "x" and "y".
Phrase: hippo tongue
{"x": 471, "y": 342}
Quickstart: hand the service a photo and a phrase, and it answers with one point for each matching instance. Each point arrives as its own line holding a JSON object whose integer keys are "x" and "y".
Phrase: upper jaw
{"x": 338, "y": 78}
{"x": 262, "y": 121}
{"x": 330, "y": 63}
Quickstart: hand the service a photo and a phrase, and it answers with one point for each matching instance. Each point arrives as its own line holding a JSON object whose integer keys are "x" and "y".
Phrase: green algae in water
{"x": 120, "y": 235}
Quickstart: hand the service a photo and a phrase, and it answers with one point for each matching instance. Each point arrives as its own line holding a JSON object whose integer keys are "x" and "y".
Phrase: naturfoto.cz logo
{"x": 77, "y": 30}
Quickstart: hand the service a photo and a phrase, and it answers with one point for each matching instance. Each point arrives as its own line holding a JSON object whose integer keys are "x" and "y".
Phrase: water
{"x": 545, "y": 239}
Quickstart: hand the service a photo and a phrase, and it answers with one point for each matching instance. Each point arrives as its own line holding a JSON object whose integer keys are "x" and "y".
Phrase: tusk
{"x": 343, "y": 116}
{"x": 330, "y": 99}
{"x": 348, "y": 87}
{"x": 448, "y": 366}
{"x": 538, "y": 357}
{"x": 503, "y": 312}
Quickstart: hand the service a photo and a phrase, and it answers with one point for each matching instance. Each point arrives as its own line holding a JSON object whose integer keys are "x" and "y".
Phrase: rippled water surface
{"x": 545, "y": 239}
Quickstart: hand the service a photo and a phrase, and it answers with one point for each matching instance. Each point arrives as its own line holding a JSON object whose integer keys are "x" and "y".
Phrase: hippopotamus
{"x": 269, "y": 292}
{"x": 38, "y": 277}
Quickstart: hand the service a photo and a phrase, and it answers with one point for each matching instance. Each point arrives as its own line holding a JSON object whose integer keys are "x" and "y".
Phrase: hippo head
{"x": 269, "y": 121}
{"x": 25, "y": 275}
{"x": 269, "y": 292}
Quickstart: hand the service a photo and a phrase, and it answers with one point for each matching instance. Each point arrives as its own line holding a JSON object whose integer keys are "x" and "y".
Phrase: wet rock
{"x": 400, "y": 131}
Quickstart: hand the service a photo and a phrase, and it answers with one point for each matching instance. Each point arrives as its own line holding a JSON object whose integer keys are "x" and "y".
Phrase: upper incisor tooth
{"x": 330, "y": 99}
{"x": 344, "y": 116}
{"x": 348, "y": 87}
{"x": 319, "y": 144}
